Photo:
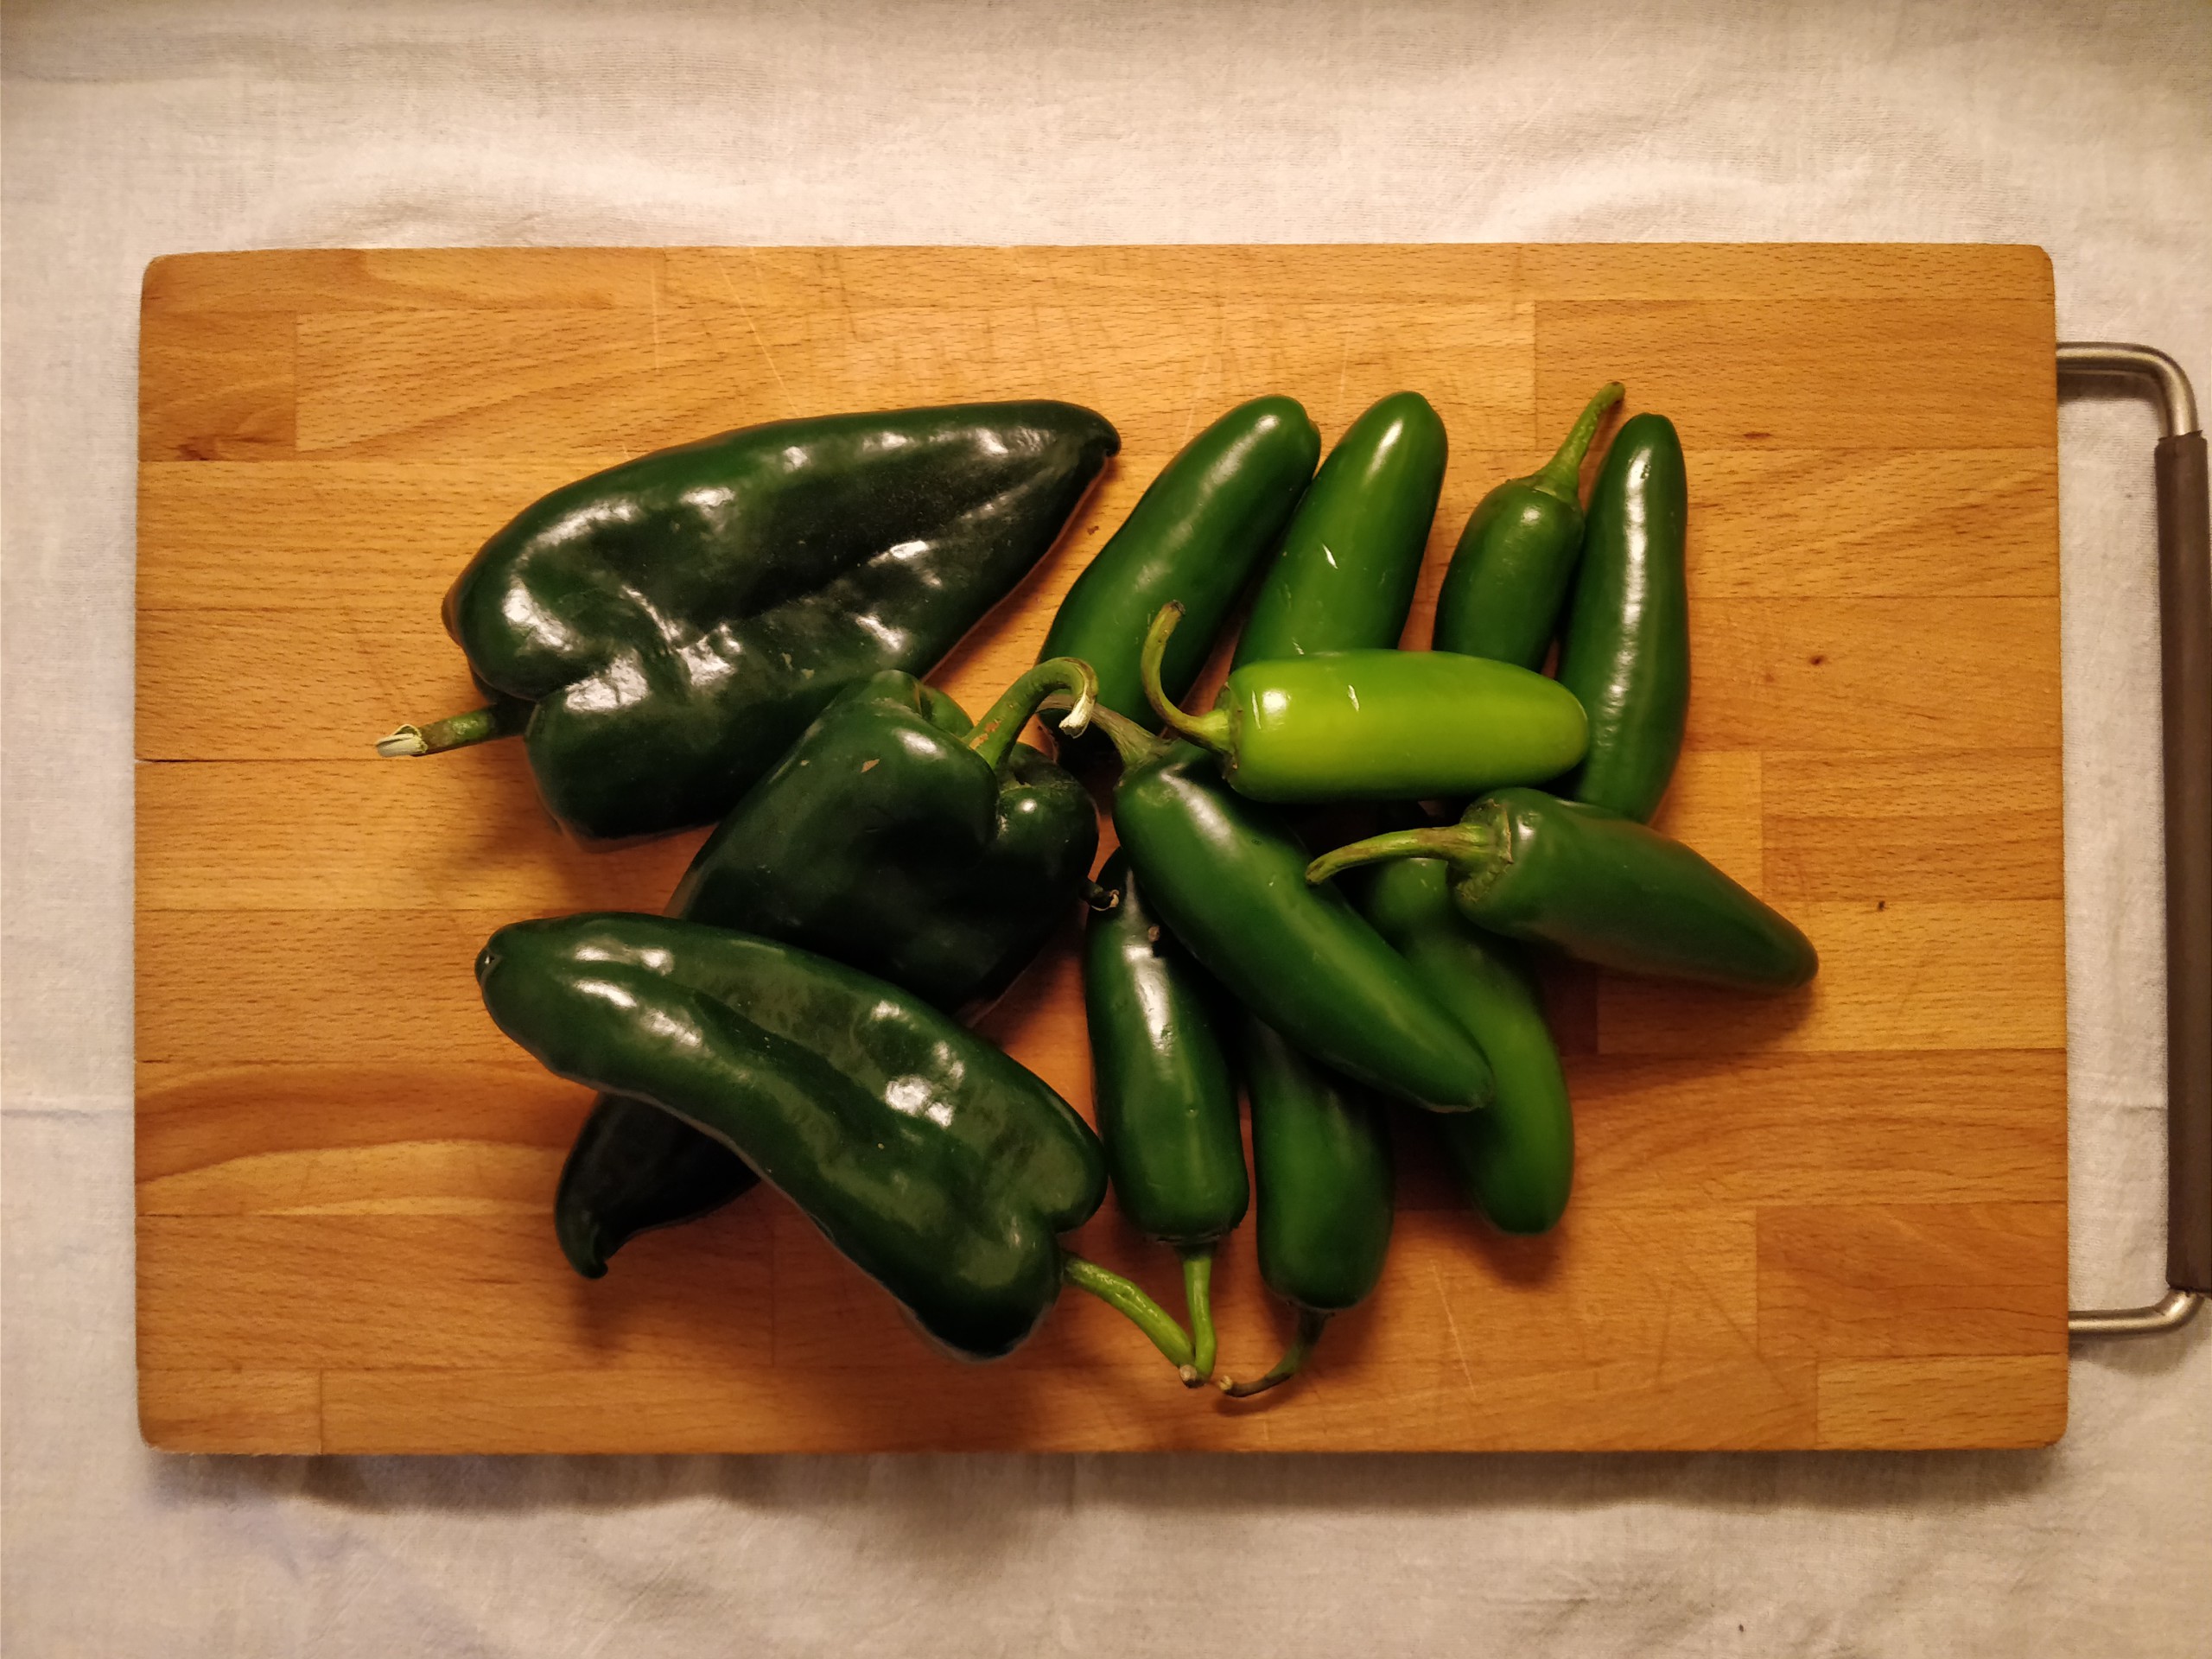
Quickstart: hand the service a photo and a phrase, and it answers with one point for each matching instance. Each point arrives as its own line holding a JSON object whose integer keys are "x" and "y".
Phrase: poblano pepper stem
{"x": 504, "y": 718}
{"x": 1128, "y": 1298}
{"x": 1310, "y": 1322}
{"x": 1198, "y": 1301}
{"x": 994, "y": 736}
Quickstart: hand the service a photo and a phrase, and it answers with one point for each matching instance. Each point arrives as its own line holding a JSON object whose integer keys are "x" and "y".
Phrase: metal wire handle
{"x": 2185, "y": 654}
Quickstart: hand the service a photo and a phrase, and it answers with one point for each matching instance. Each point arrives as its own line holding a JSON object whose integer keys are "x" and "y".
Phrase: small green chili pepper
{"x": 660, "y": 633}
{"x": 1228, "y": 878}
{"x": 891, "y": 837}
{"x": 1345, "y": 578}
{"x": 1195, "y": 537}
{"x": 941, "y": 1167}
{"x": 1321, "y": 1157}
{"x": 1165, "y": 1099}
{"x": 1600, "y": 887}
{"x": 1516, "y": 1162}
{"x": 1510, "y": 574}
{"x": 1626, "y": 650}
{"x": 1377, "y": 725}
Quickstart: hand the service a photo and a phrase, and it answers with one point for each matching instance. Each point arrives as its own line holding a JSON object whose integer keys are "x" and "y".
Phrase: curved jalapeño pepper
{"x": 1194, "y": 537}
{"x": 1516, "y": 1162}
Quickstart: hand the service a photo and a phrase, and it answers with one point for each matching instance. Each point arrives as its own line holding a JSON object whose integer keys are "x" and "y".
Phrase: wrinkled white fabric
{"x": 139, "y": 130}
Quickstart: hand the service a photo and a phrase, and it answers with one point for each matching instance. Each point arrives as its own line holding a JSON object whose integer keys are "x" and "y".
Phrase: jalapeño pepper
{"x": 1322, "y": 1156}
{"x": 1626, "y": 650}
{"x": 1345, "y": 578}
{"x": 1602, "y": 888}
{"x": 1378, "y": 725}
{"x": 1165, "y": 1098}
{"x": 1194, "y": 537}
{"x": 660, "y": 633}
{"x": 1514, "y": 1162}
{"x": 1511, "y": 571}
{"x": 1228, "y": 879}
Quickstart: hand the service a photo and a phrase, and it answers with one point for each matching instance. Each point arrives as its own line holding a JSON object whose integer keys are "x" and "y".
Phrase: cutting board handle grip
{"x": 2185, "y": 649}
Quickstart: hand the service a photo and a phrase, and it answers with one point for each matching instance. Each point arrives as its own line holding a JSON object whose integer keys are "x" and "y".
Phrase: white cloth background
{"x": 138, "y": 129}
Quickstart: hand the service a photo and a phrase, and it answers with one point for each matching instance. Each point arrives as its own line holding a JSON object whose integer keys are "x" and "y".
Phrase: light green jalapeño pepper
{"x": 1377, "y": 725}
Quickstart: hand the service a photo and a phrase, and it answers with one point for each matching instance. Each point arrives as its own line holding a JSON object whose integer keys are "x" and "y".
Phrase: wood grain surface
{"x": 1833, "y": 1220}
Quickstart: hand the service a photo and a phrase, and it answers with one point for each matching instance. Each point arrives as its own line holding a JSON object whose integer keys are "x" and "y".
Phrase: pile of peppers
{"x": 736, "y": 632}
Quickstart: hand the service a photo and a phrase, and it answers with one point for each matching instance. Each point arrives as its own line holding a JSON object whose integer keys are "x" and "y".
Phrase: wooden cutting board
{"x": 1837, "y": 1219}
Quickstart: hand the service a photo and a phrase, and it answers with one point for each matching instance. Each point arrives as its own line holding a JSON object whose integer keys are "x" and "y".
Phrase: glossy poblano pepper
{"x": 660, "y": 633}
{"x": 937, "y": 1165}
{"x": 1600, "y": 887}
{"x": 892, "y": 838}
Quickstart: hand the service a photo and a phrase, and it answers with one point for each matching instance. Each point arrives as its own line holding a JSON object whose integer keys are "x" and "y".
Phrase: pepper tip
{"x": 407, "y": 740}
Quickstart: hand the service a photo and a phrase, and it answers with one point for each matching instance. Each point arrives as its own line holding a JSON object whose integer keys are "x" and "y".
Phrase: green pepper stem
{"x": 993, "y": 735}
{"x": 1562, "y": 476}
{"x": 1208, "y": 731}
{"x": 1311, "y": 1324}
{"x": 504, "y": 718}
{"x": 1128, "y": 1298}
{"x": 1198, "y": 1301}
{"x": 1449, "y": 841}
{"x": 1131, "y": 741}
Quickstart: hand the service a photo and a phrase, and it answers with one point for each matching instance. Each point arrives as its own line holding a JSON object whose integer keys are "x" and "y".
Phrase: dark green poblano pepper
{"x": 661, "y": 632}
{"x": 893, "y": 838}
{"x": 940, "y": 1166}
